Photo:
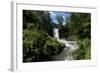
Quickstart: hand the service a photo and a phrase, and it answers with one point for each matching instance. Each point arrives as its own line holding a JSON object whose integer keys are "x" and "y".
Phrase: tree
{"x": 80, "y": 28}
{"x": 60, "y": 20}
{"x": 39, "y": 19}
{"x": 39, "y": 46}
{"x": 79, "y": 25}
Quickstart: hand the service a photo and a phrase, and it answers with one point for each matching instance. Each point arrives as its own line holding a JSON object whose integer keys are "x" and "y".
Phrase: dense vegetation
{"x": 38, "y": 45}
{"x": 81, "y": 30}
{"x": 38, "y": 41}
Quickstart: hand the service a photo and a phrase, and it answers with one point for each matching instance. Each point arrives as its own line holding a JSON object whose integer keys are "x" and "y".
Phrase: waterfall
{"x": 70, "y": 46}
{"x": 56, "y": 33}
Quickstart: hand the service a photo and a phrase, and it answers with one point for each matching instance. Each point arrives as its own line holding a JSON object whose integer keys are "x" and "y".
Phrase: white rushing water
{"x": 56, "y": 33}
{"x": 70, "y": 46}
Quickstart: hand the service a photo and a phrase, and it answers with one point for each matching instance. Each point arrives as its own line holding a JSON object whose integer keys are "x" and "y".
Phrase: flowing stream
{"x": 70, "y": 46}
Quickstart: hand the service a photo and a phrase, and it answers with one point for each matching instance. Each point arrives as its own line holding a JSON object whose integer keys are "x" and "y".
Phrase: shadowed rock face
{"x": 66, "y": 53}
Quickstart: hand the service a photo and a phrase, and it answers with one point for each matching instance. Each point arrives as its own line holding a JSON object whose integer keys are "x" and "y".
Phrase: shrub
{"x": 83, "y": 52}
{"x": 39, "y": 46}
{"x": 53, "y": 46}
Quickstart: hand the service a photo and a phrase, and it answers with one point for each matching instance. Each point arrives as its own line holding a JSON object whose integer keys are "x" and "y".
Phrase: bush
{"x": 53, "y": 46}
{"x": 83, "y": 52}
{"x": 39, "y": 46}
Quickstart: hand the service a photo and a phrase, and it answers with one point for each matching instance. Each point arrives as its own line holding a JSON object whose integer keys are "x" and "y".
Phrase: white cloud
{"x": 63, "y": 17}
{"x": 52, "y": 13}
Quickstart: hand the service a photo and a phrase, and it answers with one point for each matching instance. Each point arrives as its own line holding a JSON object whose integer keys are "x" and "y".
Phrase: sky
{"x": 54, "y": 14}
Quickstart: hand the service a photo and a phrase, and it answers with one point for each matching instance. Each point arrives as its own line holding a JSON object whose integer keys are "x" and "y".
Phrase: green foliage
{"x": 60, "y": 21}
{"x": 79, "y": 30}
{"x": 83, "y": 51}
{"x": 39, "y": 46}
{"x": 63, "y": 32}
{"x": 53, "y": 46}
{"x": 80, "y": 25}
{"x": 38, "y": 18}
